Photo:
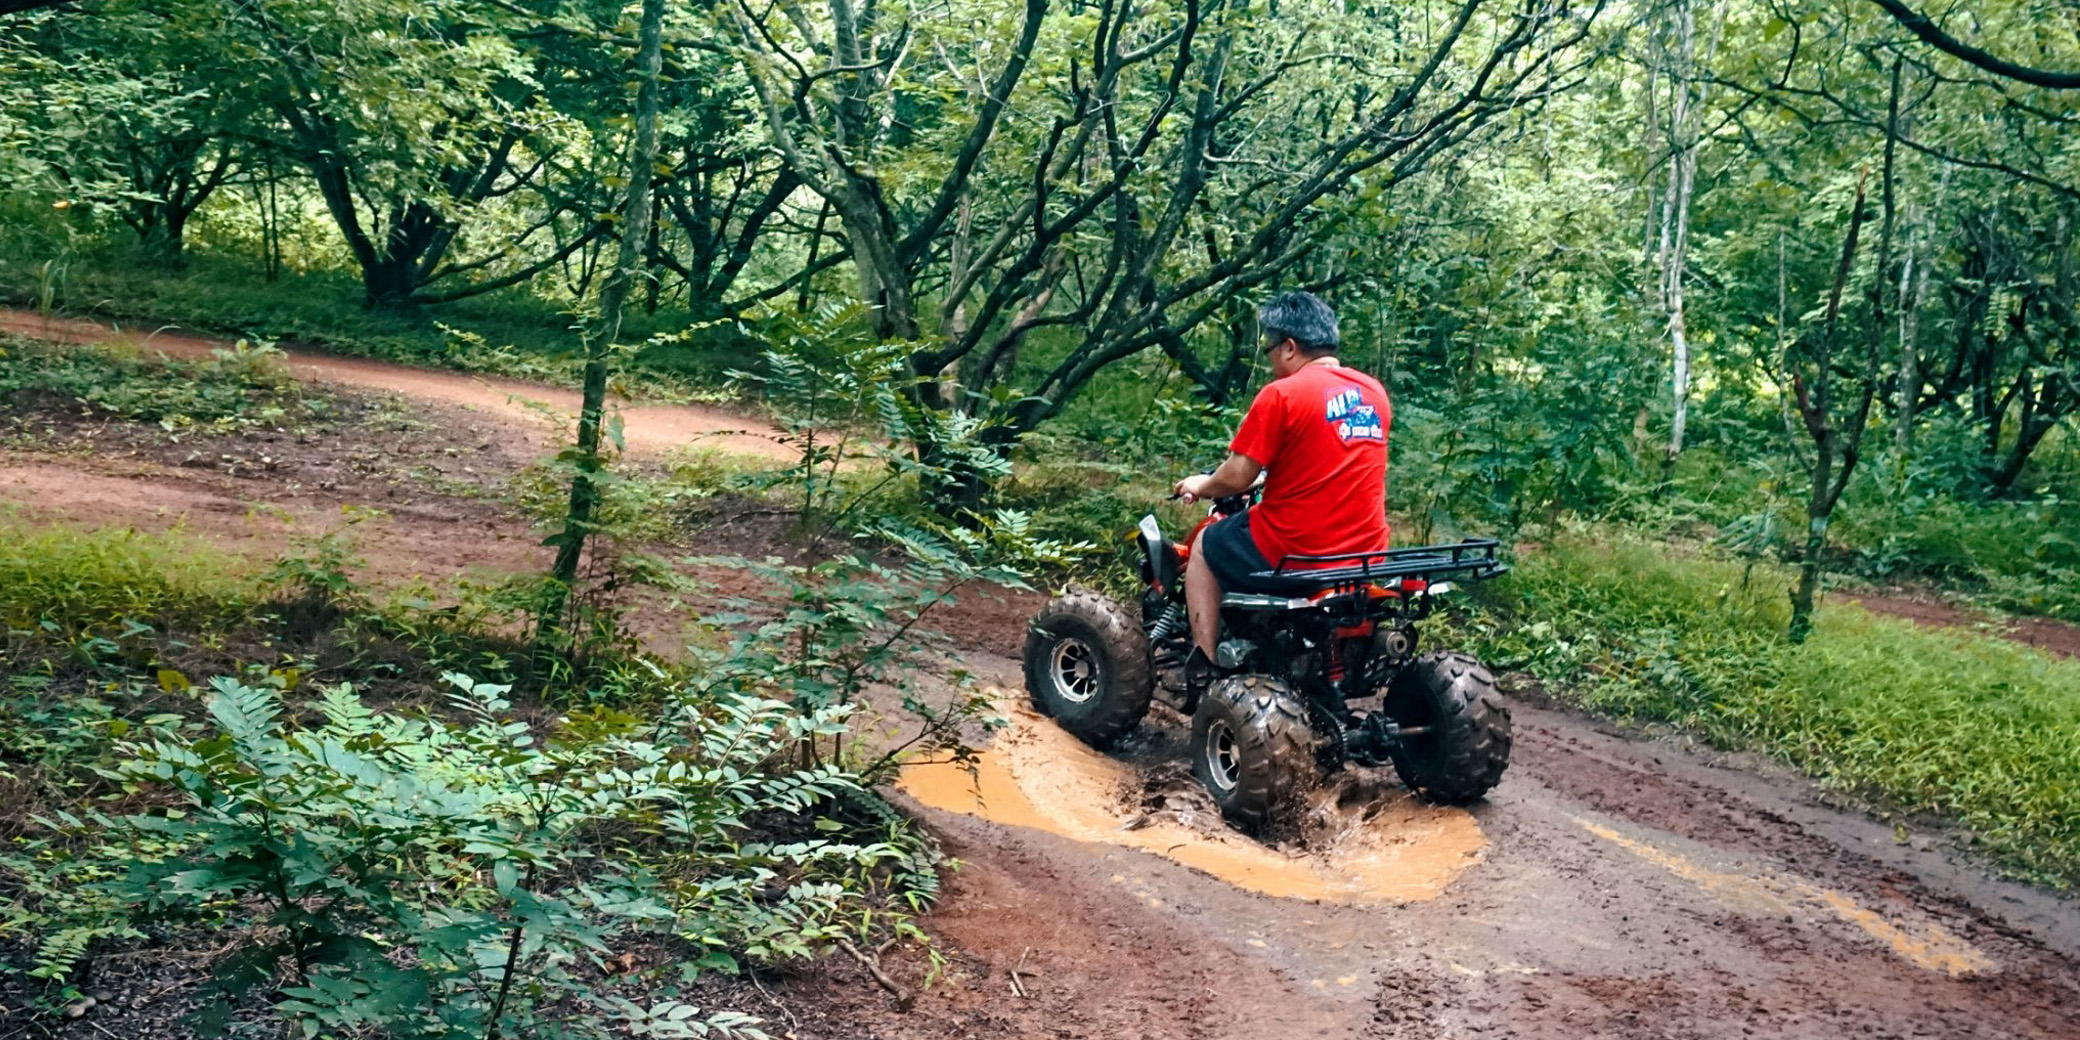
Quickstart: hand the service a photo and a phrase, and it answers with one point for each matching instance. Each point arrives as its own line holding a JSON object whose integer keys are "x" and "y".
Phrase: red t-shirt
{"x": 1322, "y": 435}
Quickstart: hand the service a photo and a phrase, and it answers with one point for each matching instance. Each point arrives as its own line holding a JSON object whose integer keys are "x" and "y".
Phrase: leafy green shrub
{"x": 1968, "y": 726}
{"x": 2023, "y": 555}
{"x": 434, "y": 878}
{"x": 754, "y": 836}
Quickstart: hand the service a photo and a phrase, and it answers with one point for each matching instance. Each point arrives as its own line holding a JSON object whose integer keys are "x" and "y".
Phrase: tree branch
{"x": 1920, "y": 25}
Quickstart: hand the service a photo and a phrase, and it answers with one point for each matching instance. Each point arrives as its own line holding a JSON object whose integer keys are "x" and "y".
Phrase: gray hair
{"x": 1301, "y": 317}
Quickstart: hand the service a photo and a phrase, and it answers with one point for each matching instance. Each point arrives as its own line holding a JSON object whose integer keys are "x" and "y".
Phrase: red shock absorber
{"x": 1340, "y": 644}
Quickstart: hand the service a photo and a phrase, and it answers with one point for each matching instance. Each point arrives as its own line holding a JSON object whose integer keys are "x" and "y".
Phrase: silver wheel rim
{"x": 1223, "y": 757}
{"x": 1074, "y": 670}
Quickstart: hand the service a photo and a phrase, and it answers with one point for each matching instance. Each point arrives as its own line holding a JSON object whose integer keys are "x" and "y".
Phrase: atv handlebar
{"x": 1240, "y": 497}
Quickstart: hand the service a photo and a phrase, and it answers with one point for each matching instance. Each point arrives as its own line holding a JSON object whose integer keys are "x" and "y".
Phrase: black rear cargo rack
{"x": 1474, "y": 559}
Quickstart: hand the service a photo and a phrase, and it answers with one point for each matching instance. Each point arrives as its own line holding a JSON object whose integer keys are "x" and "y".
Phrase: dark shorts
{"x": 1232, "y": 556}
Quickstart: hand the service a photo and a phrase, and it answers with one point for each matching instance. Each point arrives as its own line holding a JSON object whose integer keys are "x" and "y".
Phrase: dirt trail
{"x": 649, "y": 430}
{"x": 2047, "y": 634}
{"x": 432, "y": 540}
{"x": 1629, "y": 888}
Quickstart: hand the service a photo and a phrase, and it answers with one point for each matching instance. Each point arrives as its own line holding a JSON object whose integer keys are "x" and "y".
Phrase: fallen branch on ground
{"x": 904, "y": 998}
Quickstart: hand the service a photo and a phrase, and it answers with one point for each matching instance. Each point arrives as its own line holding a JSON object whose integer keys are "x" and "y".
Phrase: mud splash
{"x": 1391, "y": 849}
{"x": 1926, "y": 945}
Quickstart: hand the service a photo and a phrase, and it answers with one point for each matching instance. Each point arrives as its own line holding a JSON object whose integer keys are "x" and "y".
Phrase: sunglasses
{"x": 1273, "y": 344}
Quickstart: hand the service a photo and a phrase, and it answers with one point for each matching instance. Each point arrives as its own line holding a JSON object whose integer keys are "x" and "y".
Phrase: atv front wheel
{"x": 1252, "y": 748}
{"x": 1464, "y": 744}
{"x": 1087, "y": 667}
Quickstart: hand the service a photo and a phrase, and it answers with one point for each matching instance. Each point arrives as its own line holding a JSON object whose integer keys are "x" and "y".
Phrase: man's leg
{"x": 1202, "y": 598}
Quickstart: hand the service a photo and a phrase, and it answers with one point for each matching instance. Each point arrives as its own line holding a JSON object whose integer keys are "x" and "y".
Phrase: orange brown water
{"x": 1035, "y": 775}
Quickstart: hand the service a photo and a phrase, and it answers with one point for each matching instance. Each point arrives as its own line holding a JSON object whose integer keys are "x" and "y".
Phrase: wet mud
{"x": 1628, "y": 887}
{"x": 1365, "y": 840}
{"x": 1923, "y": 943}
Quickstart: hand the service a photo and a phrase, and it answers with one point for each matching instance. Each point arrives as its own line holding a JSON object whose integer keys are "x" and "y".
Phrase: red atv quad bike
{"x": 1340, "y": 630}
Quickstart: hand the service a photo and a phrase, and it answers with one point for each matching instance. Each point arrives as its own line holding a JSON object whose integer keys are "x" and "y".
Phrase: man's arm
{"x": 1232, "y": 478}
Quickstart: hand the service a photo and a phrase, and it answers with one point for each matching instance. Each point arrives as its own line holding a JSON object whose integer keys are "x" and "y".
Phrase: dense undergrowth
{"x": 1952, "y": 723}
{"x": 194, "y": 746}
{"x": 239, "y": 388}
{"x": 1919, "y": 525}
{"x": 394, "y": 812}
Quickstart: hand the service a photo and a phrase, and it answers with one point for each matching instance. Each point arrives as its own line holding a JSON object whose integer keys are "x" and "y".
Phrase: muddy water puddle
{"x": 1366, "y": 842}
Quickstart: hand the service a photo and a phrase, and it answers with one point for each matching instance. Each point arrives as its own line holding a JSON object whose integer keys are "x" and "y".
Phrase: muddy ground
{"x": 1618, "y": 884}
{"x": 1630, "y": 886}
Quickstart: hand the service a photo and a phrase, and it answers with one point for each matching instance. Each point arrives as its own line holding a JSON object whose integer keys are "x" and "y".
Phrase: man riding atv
{"x": 1320, "y": 429}
{"x": 1297, "y": 667}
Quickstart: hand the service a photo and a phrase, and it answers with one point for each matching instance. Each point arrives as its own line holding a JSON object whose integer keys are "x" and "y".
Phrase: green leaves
{"x": 672, "y": 1020}
{"x": 409, "y": 865}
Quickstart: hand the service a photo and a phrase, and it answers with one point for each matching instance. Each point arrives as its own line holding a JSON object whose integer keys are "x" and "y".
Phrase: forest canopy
{"x": 1827, "y": 243}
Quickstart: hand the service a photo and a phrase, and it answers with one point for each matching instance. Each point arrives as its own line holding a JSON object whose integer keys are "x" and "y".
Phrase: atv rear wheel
{"x": 1466, "y": 746}
{"x": 1087, "y": 667}
{"x": 1252, "y": 748}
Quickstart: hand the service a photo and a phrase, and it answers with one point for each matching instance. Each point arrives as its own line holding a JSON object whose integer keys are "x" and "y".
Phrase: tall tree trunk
{"x": 164, "y": 241}
{"x": 1653, "y": 144}
{"x": 652, "y": 280}
{"x": 1913, "y": 282}
{"x": 823, "y": 216}
{"x": 613, "y": 297}
{"x": 1816, "y": 407}
{"x": 883, "y": 282}
{"x": 1838, "y": 442}
{"x": 1675, "y": 226}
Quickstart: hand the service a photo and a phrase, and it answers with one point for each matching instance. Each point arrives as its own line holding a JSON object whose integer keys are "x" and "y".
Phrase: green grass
{"x": 54, "y": 577}
{"x": 1969, "y": 727}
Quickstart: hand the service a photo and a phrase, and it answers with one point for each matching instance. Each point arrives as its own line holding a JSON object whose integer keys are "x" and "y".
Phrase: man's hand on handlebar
{"x": 1234, "y": 477}
{"x": 1192, "y": 488}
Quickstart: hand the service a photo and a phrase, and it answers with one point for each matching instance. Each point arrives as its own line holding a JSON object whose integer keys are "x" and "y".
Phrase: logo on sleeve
{"x": 1353, "y": 419}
